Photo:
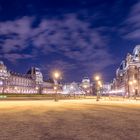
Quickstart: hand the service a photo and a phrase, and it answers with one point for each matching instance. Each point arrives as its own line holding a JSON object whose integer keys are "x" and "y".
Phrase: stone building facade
{"x": 30, "y": 83}
{"x": 128, "y": 74}
{"x": 86, "y": 85}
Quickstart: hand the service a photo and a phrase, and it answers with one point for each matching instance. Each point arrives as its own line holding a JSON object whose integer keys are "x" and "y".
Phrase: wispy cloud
{"x": 76, "y": 43}
{"x": 15, "y": 56}
{"x": 131, "y": 28}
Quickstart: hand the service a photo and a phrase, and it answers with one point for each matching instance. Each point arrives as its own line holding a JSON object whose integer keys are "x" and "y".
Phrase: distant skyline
{"x": 79, "y": 37}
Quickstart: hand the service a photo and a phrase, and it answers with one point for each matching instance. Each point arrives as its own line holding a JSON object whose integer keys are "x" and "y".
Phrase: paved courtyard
{"x": 83, "y": 119}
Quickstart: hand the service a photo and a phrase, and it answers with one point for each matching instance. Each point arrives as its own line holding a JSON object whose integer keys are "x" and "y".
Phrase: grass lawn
{"x": 38, "y": 96}
{"x": 83, "y": 119}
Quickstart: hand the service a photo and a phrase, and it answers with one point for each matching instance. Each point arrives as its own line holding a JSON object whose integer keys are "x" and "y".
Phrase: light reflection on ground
{"x": 83, "y": 119}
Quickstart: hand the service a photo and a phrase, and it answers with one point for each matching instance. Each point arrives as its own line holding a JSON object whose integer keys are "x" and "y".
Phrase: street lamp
{"x": 56, "y": 76}
{"x": 97, "y": 78}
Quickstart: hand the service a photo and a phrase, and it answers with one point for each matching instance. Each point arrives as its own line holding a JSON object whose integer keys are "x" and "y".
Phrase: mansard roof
{"x": 33, "y": 70}
{"x": 20, "y": 75}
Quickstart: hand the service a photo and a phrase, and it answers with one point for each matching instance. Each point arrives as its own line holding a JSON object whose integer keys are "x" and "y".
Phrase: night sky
{"x": 79, "y": 37}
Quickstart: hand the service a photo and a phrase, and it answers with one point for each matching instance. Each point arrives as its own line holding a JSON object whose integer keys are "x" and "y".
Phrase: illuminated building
{"x": 106, "y": 88}
{"x": 86, "y": 85}
{"x": 128, "y": 74}
{"x": 72, "y": 89}
{"x": 29, "y": 83}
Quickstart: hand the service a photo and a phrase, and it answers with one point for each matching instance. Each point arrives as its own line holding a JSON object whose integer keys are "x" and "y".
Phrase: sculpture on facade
{"x": 128, "y": 58}
{"x": 136, "y": 53}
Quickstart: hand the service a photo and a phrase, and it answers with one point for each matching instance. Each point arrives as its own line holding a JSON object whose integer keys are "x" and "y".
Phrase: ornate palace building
{"x": 128, "y": 74}
{"x": 86, "y": 85}
{"x": 30, "y": 83}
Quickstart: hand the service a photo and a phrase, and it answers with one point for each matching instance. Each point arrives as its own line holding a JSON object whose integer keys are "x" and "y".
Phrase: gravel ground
{"x": 70, "y": 120}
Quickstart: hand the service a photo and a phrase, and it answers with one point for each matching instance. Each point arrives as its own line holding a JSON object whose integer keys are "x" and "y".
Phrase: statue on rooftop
{"x": 128, "y": 58}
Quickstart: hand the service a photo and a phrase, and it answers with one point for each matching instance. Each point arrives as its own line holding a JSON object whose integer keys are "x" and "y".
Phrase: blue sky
{"x": 79, "y": 37}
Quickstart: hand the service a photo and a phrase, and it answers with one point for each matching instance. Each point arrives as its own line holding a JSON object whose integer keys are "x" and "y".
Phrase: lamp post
{"x": 85, "y": 87}
{"x": 97, "y": 79}
{"x": 56, "y": 75}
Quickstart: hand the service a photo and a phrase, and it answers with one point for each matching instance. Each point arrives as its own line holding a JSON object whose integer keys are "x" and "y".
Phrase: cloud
{"x": 62, "y": 65}
{"x": 72, "y": 38}
{"x": 131, "y": 28}
{"x": 15, "y": 56}
{"x": 75, "y": 43}
{"x": 15, "y": 34}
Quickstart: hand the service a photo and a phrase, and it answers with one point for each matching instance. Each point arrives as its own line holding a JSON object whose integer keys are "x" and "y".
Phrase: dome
{"x": 85, "y": 79}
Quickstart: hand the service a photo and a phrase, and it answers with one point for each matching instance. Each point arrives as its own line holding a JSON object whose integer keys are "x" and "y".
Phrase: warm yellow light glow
{"x": 55, "y": 88}
{"x": 100, "y": 83}
{"x": 97, "y": 77}
{"x": 130, "y": 83}
{"x": 84, "y": 86}
{"x": 134, "y": 81}
{"x": 101, "y": 86}
{"x": 56, "y": 74}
